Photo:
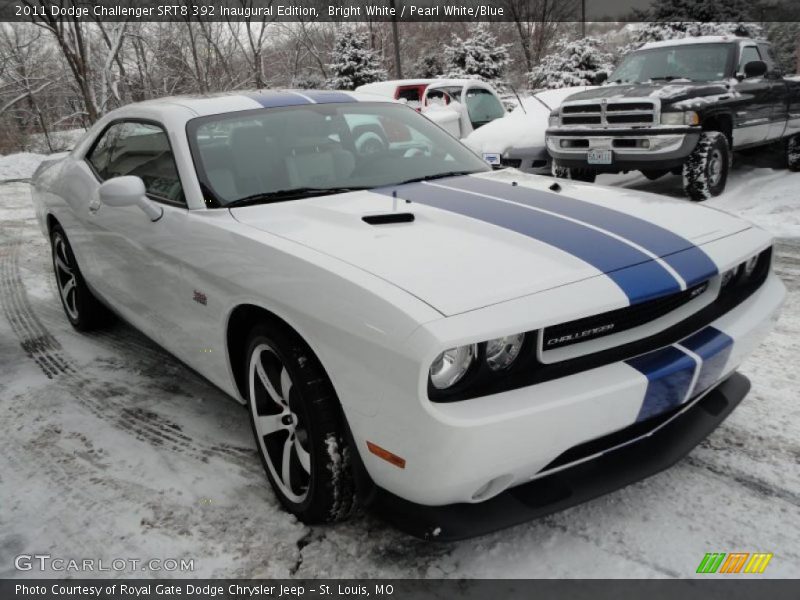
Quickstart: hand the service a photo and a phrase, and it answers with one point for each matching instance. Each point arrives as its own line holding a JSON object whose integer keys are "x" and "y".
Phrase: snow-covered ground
{"x": 111, "y": 448}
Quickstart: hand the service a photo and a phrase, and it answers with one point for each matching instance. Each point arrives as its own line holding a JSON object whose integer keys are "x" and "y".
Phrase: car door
{"x": 779, "y": 95}
{"x": 754, "y": 112}
{"x": 136, "y": 260}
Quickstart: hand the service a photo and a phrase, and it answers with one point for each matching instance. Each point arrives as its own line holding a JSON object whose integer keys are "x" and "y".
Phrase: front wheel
{"x": 705, "y": 171}
{"x": 299, "y": 426}
{"x": 578, "y": 174}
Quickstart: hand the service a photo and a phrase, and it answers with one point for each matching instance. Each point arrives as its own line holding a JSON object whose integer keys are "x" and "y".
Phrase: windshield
{"x": 693, "y": 62}
{"x": 309, "y": 150}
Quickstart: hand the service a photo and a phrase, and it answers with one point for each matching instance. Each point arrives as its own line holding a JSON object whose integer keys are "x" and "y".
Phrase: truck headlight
{"x": 553, "y": 121}
{"x": 684, "y": 117}
{"x": 451, "y": 365}
{"x": 502, "y": 351}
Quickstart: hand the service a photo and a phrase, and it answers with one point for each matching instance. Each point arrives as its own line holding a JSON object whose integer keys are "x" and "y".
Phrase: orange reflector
{"x": 386, "y": 455}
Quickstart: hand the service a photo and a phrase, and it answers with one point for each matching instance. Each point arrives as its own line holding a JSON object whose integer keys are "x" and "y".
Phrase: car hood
{"x": 667, "y": 91}
{"x": 485, "y": 239}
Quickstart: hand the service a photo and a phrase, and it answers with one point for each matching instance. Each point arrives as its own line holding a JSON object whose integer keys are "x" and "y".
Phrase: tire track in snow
{"x": 45, "y": 350}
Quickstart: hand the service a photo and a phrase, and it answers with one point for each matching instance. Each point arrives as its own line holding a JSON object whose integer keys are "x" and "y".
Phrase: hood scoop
{"x": 388, "y": 218}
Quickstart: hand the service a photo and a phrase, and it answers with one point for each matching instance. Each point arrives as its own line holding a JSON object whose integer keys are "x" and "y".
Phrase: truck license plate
{"x": 599, "y": 157}
{"x": 492, "y": 158}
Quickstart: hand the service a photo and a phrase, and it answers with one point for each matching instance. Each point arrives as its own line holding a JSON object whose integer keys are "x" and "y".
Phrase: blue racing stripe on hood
{"x": 689, "y": 261}
{"x": 639, "y": 277}
{"x": 328, "y": 97}
{"x": 276, "y": 99}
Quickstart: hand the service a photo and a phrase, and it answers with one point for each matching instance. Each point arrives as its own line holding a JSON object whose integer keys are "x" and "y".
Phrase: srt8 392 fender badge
{"x": 200, "y": 298}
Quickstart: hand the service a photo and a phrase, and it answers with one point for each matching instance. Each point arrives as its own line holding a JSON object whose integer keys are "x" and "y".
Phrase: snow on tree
{"x": 575, "y": 62}
{"x": 429, "y": 66}
{"x": 354, "y": 63}
{"x": 477, "y": 56}
{"x": 673, "y": 19}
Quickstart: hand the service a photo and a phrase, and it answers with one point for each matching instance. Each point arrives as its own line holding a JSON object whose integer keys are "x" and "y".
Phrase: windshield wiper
{"x": 436, "y": 176}
{"x": 668, "y": 78}
{"x": 290, "y": 194}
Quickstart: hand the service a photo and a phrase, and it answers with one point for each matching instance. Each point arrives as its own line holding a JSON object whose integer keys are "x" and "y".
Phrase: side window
{"x": 767, "y": 55}
{"x": 749, "y": 54}
{"x": 140, "y": 149}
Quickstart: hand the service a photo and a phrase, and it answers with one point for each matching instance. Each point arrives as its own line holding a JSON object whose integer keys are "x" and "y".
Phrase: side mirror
{"x": 600, "y": 78}
{"x": 755, "y": 68}
{"x": 129, "y": 190}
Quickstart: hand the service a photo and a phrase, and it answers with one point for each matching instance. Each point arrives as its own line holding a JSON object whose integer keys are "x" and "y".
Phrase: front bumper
{"x": 666, "y": 148}
{"x": 472, "y": 450}
{"x": 594, "y": 477}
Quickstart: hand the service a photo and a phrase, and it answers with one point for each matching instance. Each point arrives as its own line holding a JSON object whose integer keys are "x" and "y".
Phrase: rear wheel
{"x": 578, "y": 174}
{"x": 83, "y": 310}
{"x": 299, "y": 426}
{"x": 792, "y": 150}
{"x": 705, "y": 171}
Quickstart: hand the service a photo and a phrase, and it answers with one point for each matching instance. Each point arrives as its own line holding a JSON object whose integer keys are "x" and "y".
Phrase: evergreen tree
{"x": 354, "y": 63}
{"x": 575, "y": 62}
{"x": 477, "y": 56}
{"x": 429, "y": 66}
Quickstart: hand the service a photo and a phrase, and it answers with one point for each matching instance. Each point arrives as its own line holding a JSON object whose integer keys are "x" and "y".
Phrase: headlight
{"x": 503, "y": 351}
{"x": 553, "y": 122}
{"x": 686, "y": 117}
{"x": 451, "y": 365}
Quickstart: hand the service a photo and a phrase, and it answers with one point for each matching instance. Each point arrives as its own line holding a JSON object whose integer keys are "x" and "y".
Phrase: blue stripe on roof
{"x": 714, "y": 347}
{"x": 328, "y": 97}
{"x": 639, "y": 277}
{"x": 276, "y": 99}
{"x": 669, "y": 374}
{"x": 693, "y": 265}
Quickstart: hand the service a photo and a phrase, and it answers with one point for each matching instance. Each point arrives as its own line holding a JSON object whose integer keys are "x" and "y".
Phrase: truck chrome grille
{"x": 610, "y": 113}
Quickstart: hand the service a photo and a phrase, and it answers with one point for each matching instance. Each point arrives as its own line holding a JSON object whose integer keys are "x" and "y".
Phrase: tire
{"x": 577, "y": 174}
{"x": 653, "y": 175}
{"x": 84, "y": 311}
{"x": 705, "y": 171}
{"x": 299, "y": 427}
{"x": 792, "y": 152}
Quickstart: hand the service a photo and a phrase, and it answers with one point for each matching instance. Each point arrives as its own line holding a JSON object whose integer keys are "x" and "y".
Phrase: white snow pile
{"x": 523, "y": 127}
{"x": 20, "y": 166}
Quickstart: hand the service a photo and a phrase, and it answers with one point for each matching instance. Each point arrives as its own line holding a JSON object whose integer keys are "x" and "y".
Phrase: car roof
{"x": 705, "y": 39}
{"x": 211, "y": 104}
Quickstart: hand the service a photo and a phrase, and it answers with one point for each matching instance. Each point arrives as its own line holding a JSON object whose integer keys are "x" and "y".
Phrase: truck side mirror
{"x": 755, "y": 68}
{"x": 600, "y": 78}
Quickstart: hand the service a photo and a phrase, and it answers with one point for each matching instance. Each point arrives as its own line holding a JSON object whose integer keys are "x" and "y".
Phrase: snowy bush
{"x": 477, "y": 56}
{"x": 575, "y": 62}
{"x": 309, "y": 81}
{"x": 429, "y": 66}
{"x": 354, "y": 63}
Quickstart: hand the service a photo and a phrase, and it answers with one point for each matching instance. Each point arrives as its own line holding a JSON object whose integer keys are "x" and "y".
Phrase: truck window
{"x": 695, "y": 62}
{"x": 482, "y": 107}
{"x": 749, "y": 54}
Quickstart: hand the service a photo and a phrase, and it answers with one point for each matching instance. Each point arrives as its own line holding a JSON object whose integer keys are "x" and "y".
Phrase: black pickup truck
{"x": 679, "y": 106}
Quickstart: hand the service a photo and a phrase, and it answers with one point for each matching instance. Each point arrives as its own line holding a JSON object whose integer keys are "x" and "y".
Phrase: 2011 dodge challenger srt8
{"x": 459, "y": 348}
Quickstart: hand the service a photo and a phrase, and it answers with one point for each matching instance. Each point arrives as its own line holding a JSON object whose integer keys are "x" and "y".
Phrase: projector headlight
{"x": 686, "y": 117}
{"x": 451, "y": 365}
{"x": 502, "y": 352}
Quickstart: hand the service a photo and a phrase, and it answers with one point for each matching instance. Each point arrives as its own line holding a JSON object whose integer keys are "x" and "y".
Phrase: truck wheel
{"x": 587, "y": 175}
{"x": 793, "y": 153}
{"x": 705, "y": 172}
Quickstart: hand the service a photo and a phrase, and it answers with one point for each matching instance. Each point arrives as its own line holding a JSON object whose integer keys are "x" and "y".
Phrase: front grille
{"x": 615, "y": 321}
{"x": 610, "y": 113}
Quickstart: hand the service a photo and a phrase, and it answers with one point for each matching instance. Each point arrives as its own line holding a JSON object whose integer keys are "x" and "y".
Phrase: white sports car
{"x": 459, "y": 348}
